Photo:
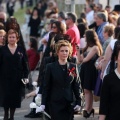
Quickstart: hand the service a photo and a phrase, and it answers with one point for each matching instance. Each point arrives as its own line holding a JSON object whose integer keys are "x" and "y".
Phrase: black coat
{"x": 59, "y": 89}
{"x": 13, "y": 68}
{"x": 44, "y": 62}
{"x": 10, "y": 8}
{"x": 110, "y": 97}
{"x": 34, "y": 26}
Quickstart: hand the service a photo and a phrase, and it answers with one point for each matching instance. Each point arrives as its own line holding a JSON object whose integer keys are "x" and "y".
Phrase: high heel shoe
{"x": 92, "y": 112}
{"x": 87, "y": 115}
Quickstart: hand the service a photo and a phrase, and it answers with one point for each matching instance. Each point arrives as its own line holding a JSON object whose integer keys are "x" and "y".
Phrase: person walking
{"x": 13, "y": 70}
{"x": 34, "y": 23}
{"x": 10, "y": 7}
{"x": 66, "y": 85}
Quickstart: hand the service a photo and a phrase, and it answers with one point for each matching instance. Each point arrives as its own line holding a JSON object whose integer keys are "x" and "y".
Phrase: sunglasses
{"x": 54, "y": 27}
{"x": 67, "y": 18}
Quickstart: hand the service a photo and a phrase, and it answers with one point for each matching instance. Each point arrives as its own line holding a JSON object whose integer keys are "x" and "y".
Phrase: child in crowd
{"x": 33, "y": 56}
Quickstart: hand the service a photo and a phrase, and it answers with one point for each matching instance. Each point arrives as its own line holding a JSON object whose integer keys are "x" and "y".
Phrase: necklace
{"x": 14, "y": 47}
{"x": 63, "y": 67}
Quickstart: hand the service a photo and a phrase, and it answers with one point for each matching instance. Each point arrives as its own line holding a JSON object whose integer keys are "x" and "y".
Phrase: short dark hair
{"x": 72, "y": 16}
{"x": 108, "y": 6}
{"x": 81, "y": 20}
{"x": 83, "y": 15}
{"x": 62, "y": 15}
{"x": 100, "y": 5}
{"x": 33, "y": 42}
{"x": 92, "y": 6}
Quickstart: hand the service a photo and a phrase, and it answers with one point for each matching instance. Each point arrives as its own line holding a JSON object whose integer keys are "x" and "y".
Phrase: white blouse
{"x": 117, "y": 73}
{"x": 112, "y": 43}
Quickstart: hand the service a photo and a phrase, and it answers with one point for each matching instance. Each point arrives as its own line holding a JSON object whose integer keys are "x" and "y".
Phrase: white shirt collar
{"x": 117, "y": 73}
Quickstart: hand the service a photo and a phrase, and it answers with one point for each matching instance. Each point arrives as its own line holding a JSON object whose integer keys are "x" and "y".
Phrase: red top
{"x": 33, "y": 58}
{"x": 75, "y": 37}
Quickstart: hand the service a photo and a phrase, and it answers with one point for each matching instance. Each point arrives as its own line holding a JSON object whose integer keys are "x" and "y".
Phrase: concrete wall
{"x": 67, "y": 8}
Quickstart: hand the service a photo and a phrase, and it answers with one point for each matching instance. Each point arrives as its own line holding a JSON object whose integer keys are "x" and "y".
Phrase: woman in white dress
{"x": 108, "y": 53}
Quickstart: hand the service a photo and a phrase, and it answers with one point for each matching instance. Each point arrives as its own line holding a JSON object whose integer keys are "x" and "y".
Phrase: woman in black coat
{"x": 61, "y": 82}
{"x": 10, "y": 7}
{"x": 13, "y": 68}
{"x": 34, "y": 24}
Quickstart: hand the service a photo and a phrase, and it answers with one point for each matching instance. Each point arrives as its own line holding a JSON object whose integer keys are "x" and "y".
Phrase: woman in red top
{"x": 33, "y": 56}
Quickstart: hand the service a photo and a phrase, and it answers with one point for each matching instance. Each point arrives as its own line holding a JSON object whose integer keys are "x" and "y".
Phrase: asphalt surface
{"x": 19, "y": 114}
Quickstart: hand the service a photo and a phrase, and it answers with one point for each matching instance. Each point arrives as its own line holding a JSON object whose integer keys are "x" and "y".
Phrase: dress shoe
{"x": 87, "y": 115}
{"x": 5, "y": 119}
{"x": 33, "y": 115}
{"x": 36, "y": 115}
{"x": 29, "y": 114}
{"x": 11, "y": 119}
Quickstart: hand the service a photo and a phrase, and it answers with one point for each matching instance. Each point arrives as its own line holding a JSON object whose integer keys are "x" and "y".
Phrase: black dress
{"x": 13, "y": 68}
{"x": 89, "y": 73}
{"x": 59, "y": 88}
{"x": 110, "y": 97}
{"x": 34, "y": 26}
{"x": 10, "y": 8}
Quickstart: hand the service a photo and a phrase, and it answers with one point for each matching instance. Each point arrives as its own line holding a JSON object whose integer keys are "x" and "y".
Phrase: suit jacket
{"x": 44, "y": 62}
{"x": 57, "y": 86}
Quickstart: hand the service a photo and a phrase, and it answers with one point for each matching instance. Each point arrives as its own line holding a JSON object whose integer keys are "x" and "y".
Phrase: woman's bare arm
{"x": 107, "y": 57}
{"x": 92, "y": 52}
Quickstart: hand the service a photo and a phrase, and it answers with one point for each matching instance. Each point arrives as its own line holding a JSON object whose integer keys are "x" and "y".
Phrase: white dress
{"x": 112, "y": 43}
{"x": 82, "y": 43}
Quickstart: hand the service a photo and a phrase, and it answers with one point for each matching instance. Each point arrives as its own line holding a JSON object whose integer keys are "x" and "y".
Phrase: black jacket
{"x": 44, "y": 62}
{"x": 57, "y": 86}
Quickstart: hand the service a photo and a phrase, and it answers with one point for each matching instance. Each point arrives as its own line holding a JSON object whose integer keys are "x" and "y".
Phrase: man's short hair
{"x": 102, "y": 15}
{"x": 72, "y": 16}
{"x": 108, "y": 6}
{"x": 62, "y": 15}
{"x": 100, "y": 5}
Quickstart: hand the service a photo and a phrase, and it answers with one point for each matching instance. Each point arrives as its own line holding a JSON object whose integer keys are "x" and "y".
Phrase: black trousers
{"x": 61, "y": 110}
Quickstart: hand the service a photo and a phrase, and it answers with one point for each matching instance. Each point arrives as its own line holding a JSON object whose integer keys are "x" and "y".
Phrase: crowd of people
{"x": 75, "y": 54}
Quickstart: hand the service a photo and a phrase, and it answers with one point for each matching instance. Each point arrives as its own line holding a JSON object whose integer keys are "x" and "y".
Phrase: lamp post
{"x": 73, "y": 6}
{"x": 108, "y": 2}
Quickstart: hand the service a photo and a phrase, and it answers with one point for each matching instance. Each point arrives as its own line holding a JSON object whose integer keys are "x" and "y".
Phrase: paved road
{"x": 19, "y": 115}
